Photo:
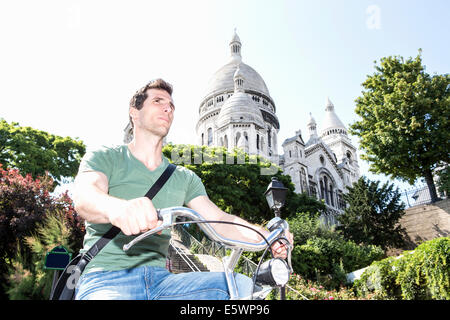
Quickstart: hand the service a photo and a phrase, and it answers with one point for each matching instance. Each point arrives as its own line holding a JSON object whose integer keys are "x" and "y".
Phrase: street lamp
{"x": 275, "y": 195}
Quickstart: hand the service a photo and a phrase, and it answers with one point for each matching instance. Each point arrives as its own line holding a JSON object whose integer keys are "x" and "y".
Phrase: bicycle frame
{"x": 277, "y": 227}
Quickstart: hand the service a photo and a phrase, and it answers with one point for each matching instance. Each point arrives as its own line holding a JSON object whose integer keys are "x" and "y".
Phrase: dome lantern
{"x": 235, "y": 47}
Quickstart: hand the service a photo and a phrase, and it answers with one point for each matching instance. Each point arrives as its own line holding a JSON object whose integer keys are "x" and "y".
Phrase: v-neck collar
{"x": 161, "y": 166}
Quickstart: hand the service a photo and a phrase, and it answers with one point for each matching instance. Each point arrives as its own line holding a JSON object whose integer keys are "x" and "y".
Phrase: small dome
{"x": 311, "y": 121}
{"x": 240, "y": 108}
{"x": 331, "y": 121}
{"x": 235, "y": 37}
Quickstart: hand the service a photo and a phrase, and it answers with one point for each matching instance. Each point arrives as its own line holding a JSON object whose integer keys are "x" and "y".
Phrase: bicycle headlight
{"x": 274, "y": 272}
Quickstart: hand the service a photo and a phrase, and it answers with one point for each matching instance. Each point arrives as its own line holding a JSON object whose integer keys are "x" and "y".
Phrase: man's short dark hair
{"x": 137, "y": 101}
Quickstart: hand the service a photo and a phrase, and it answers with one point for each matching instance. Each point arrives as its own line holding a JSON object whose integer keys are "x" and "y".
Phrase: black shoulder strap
{"x": 114, "y": 231}
{"x": 161, "y": 181}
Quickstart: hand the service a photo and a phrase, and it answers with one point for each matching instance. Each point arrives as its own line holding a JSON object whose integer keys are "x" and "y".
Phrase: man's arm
{"x": 209, "y": 211}
{"x": 92, "y": 203}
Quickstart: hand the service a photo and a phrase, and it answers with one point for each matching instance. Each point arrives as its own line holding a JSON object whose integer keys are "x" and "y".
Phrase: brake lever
{"x": 289, "y": 248}
{"x": 167, "y": 223}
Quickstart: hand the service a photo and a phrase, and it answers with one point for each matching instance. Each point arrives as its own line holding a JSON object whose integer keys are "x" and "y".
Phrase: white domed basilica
{"x": 238, "y": 111}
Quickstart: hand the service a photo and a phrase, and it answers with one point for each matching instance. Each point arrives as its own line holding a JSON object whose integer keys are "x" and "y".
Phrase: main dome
{"x": 222, "y": 80}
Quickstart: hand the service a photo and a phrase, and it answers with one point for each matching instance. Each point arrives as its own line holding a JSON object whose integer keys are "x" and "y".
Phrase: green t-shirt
{"x": 128, "y": 178}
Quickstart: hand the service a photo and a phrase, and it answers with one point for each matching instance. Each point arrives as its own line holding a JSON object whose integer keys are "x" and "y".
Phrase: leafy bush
{"x": 32, "y": 281}
{"x": 421, "y": 274}
{"x": 322, "y": 253}
{"x": 24, "y": 205}
{"x": 306, "y": 226}
{"x": 23, "y": 202}
{"x": 72, "y": 220}
{"x": 332, "y": 258}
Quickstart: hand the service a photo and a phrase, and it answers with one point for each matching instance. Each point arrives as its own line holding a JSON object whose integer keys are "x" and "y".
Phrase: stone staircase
{"x": 181, "y": 259}
{"x": 212, "y": 263}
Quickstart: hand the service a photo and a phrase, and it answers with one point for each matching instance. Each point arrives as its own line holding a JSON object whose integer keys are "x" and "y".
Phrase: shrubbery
{"x": 23, "y": 202}
{"x": 322, "y": 254}
{"x": 25, "y": 205}
{"x": 421, "y": 274}
{"x": 334, "y": 257}
{"x": 32, "y": 281}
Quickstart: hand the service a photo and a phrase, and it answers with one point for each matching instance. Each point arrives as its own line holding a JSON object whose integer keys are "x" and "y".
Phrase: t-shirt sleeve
{"x": 195, "y": 188}
{"x": 97, "y": 160}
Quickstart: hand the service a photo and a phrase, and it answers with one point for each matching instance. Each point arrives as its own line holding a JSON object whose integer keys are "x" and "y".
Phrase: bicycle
{"x": 270, "y": 274}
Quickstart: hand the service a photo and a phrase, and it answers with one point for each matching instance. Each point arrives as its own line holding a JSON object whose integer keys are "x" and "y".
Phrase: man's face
{"x": 156, "y": 115}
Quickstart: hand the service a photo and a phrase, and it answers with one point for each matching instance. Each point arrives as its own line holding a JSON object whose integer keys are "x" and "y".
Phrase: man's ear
{"x": 133, "y": 113}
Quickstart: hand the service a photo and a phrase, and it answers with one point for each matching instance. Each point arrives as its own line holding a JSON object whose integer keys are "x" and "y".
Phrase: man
{"x": 109, "y": 190}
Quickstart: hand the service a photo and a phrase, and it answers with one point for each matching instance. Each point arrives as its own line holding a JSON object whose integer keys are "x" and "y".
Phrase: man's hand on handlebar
{"x": 135, "y": 216}
{"x": 279, "y": 249}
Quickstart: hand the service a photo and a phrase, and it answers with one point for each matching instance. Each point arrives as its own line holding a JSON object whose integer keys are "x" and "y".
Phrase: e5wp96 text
{"x": 246, "y": 309}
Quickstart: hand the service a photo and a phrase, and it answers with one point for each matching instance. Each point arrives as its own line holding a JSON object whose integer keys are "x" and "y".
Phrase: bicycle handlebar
{"x": 276, "y": 226}
{"x": 168, "y": 216}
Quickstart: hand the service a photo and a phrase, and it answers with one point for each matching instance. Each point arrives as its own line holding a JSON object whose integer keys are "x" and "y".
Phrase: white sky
{"x": 71, "y": 67}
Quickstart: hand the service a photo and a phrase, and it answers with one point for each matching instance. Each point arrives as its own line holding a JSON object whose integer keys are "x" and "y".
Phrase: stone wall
{"x": 426, "y": 222}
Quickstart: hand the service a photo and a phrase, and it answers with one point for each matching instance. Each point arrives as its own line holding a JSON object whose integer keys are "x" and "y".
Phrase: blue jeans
{"x": 155, "y": 283}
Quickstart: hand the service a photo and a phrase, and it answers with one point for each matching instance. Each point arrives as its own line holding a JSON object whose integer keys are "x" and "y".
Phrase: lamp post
{"x": 276, "y": 196}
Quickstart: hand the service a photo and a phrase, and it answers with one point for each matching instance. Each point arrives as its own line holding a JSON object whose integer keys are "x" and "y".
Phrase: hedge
{"x": 422, "y": 274}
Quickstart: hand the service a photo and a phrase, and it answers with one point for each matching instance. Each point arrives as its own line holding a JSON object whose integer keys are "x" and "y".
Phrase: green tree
{"x": 372, "y": 214}
{"x": 237, "y": 184}
{"x": 35, "y": 152}
{"x": 444, "y": 180}
{"x": 405, "y": 120}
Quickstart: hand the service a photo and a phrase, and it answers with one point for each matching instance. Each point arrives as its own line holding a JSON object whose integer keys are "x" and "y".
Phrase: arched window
{"x": 238, "y": 135}
{"x": 257, "y": 141}
{"x": 225, "y": 141}
{"x": 349, "y": 156}
{"x": 322, "y": 190}
{"x": 331, "y": 195}
{"x": 303, "y": 182}
{"x": 325, "y": 191}
{"x": 210, "y": 136}
{"x": 246, "y": 147}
